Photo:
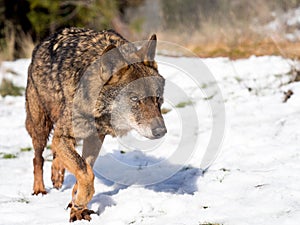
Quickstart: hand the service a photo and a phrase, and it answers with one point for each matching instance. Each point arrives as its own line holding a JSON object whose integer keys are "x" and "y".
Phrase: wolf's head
{"x": 133, "y": 94}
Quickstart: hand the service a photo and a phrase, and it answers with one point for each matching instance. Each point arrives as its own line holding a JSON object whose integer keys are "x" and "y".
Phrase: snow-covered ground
{"x": 254, "y": 180}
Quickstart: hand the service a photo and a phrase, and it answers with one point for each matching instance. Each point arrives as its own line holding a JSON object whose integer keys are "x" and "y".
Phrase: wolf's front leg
{"x": 90, "y": 151}
{"x": 91, "y": 148}
{"x": 73, "y": 162}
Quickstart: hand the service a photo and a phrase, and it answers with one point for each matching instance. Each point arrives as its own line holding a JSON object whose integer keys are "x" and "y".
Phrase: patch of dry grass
{"x": 27, "y": 45}
{"x": 13, "y": 37}
{"x": 234, "y": 43}
{"x": 248, "y": 47}
{"x": 7, "y": 44}
{"x": 7, "y": 87}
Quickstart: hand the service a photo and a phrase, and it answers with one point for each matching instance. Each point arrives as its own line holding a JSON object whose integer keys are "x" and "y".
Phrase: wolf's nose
{"x": 159, "y": 132}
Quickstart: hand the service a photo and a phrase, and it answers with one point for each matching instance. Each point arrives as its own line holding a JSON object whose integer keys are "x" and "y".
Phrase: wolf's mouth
{"x": 152, "y": 135}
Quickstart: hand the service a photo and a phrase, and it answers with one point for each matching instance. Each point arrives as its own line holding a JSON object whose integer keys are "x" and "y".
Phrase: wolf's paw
{"x": 39, "y": 190}
{"x": 78, "y": 213}
{"x": 57, "y": 181}
{"x": 57, "y": 176}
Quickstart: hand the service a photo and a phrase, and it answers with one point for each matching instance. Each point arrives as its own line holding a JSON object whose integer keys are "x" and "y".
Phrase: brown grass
{"x": 234, "y": 43}
{"x": 7, "y": 44}
{"x": 27, "y": 45}
{"x": 12, "y": 37}
{"x": 248, "y": 47}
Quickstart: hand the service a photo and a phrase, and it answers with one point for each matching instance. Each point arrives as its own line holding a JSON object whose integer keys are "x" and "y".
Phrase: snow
{"x": 254, "y": 180}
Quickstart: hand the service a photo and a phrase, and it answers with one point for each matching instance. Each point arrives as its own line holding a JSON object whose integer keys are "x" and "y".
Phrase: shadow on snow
{"x": 122, "y": 170}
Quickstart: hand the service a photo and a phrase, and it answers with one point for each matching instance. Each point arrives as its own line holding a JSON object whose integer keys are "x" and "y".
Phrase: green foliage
{"x": 27, "y": 149}
{"x": 43, "y": 15}
{"x": 9, "y": 156}
{"x": 48, "y": 16}
{"x": 137, "y": 25}
{"x": 8, "y": 88}
{"x": 165, "y": 110}
{"x": 203, "y": 86}
{"x": 208, "y": 97}
{"x": 35, "y": 19}
{"x": 184, "y": 104}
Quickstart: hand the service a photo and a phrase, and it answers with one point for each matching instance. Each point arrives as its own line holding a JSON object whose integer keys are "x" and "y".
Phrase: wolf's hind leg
{"x": 38, "y": 126}
{"x": 38, "y": 162}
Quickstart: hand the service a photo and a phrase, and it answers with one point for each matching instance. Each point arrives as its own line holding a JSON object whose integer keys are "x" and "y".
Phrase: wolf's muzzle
{"x": 158, "y": 128}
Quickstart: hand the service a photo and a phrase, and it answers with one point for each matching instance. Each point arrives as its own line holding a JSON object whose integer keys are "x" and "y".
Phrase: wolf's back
{"x": 71, "y": 50}
{"x": 59, "y": 62}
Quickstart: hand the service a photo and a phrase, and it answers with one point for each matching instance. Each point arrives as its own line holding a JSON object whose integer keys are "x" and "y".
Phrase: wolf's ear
{"x": 112, "y": 63}
{"x": 147, "y": 51}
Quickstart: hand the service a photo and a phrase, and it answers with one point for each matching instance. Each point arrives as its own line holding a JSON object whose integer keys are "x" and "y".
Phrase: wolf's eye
{"x": 134, "y": 98}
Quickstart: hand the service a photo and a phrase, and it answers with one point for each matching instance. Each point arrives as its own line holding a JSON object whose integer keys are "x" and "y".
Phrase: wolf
{"x": 83, "y": 85}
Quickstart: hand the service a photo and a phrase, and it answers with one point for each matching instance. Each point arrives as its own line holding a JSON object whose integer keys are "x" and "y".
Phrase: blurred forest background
{"x": 233, "y": 28}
